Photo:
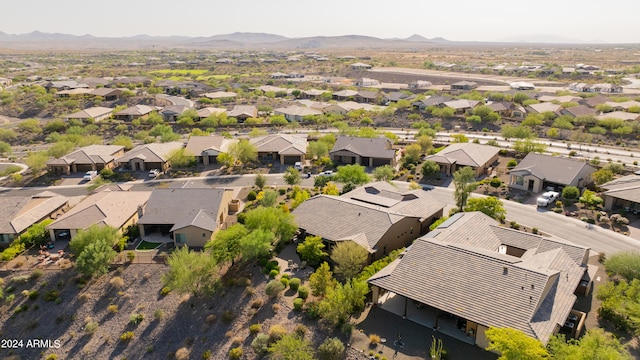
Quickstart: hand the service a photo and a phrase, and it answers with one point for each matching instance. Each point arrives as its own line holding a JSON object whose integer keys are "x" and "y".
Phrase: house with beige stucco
{"x": 478, "y": 157}
{"x": 538, "y": 172}
{"x": 88, "y": 158}
{"x": 378, "y": 216}
{"x": 185, "y": 216}
{"x": 149, "y": 156}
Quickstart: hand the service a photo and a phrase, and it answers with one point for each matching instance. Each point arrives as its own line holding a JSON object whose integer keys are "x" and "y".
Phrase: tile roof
{"x": 467, "y": 154}
{"x": 545, "y": 107}
{"x": 554, "y": 169}
{"x": 281, "y": 143}
{"x": 92, "y": 154}
{"x": 294, "y": 110}
{"x": 138, "y": 110}
{"x": 17, "y": 213}
{"x": 154, "y": 152}
{"x": 183, "y": 207}
{"x": 461, "y": 104}
{"x": 246, "y": 110}
{"x": 113, "y": 208}
{"x": 198, "y": 144}
{"x": 208, "y": 111}
{"x": 622, "y": 115}
{"x": 465, "y": 275}
{"x": 90, "y": 113}
{"x": 579, "y": 110}
{"x": 363, "y": 215}
{"x": 365, "y": 147}
{"x": 625, "y": 188}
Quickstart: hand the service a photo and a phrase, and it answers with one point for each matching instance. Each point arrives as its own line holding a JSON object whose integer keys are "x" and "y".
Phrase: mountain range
{"x": 37, "y": 40}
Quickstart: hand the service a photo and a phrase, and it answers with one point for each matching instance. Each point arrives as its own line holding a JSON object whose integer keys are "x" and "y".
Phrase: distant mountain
{"x": 248, "y": 37}
{"x": 543, "y": 39}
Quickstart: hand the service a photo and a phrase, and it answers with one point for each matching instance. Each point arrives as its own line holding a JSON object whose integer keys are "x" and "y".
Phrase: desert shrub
{"x": 374, "y": 339}
{"x": 126, "y": 336}
{"x": 22, "y": 279}
{"x": 51, "y": 357}
{"x": 51, "y": 295}
{"x": 255, "y": 328}
{"x": 260, "y": 343}
{"x": 257, "y": 303}
{"x": 158, "y": 314}
{"x": 303, "y": 292}
{"x": 298, "y": 303}
{"x": 236, "y": 341}
{"x": 228, "y": 316}
{"x": 534, "y": 230}
{"x": 251, "y": 196}
{"x": 113, "y": 308}
{"x": 275, "y": 308}
{"x": 117, "y": 282}
{"x": 271, "y": 265}
{"x": 242, "y": 217}
{"x": 276, "y": 332}
{"x": 131, "y": 256}
{"x": 273, "y": 288}
{"x": 136, "y": 319}
{"x": 331, "y": 349}
{"x": 165, "y": 291}
{"x": 282, "y": 191}
{"x": 183, "y": 354}
{"x": 300, "y": 330}
{"x": 284, "y": 282}
{"x": 273, "y": 273}
{"x": 91, "y": 327}
{"x": 294, "y": 284}
{"x": 285, "y": 276}
{"x": 313, "y": 310}
{"x": 35, "y": 275}
{"x": 235, "y": 353}
{"x": 512, "y": 163}
{"x": 33, "y": 295}
{"x": 624, "y": 264}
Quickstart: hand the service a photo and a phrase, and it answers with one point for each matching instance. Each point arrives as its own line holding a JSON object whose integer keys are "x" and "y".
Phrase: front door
{"x": 531, "y": 183}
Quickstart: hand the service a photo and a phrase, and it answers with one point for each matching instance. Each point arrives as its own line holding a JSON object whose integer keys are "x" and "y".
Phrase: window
{"x": 519, "y": 180}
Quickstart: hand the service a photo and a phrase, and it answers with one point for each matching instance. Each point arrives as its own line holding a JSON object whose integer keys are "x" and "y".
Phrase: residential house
{"x": 143, "y": 81}
{"x": 399, "y": 95}
{"x": 378, "y": 216}
{"x": 622, "y": 115}
{"x": 370, "y": 97}
{"x": 189, "y": 216}
{"x": 483, "y": 275}
{"x": 544, "y": 107}
{"x": 207, "y": 148}
{"x": 18, "y": 213}
{"x": 343, "y": 95}
{"x": 95, "y": 82}
{"x": 522, "y": 85}
{"x": 364, "y": 82}
{"x": 170, "y": 113}
{"x": 508, "y": 109}
{"x": 594, "y": 101}
{"x": 135, "y": 112}
{"x": 78, "y": 92}
{"x": 149, "y": 156}
{"x": 210, "y": 111}
{"x": 430, "y": 101}
{"x": 64, "y": 85}
{"x": 96, "y": 113}
{"x": 296, "y": 113}
{"x": 221, "y": 95}
{"x": 285, "y": 148}
{"x": 363, "y": 151}
{"x": 118, "y": 209}
{"x": 314, "y": 94}
{"x": 360, "y": 66}
{"x": 461, "y": 106}
{"x": 88, "y": 158}
{"x": 622, "y": 193}
{"x": 243, "y": 112}
{"x": 464, "y": 85}
{"x": 605, "y": 88}
{"x": 420, "y": 84}
{"x": 580, "y": 110}
{"x": 108, "y": 94}
{"x": 456, "y": 156}
{"x": 538, "y": 172}
{"x": 559, "y": 99}
{"x": 623, "y": 106}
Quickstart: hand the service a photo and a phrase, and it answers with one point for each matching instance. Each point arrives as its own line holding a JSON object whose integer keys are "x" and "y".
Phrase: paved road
{"x": 176, "y": 100}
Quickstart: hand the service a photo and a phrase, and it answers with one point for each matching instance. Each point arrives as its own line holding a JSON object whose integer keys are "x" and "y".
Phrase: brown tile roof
{"x": 466, "y": 154}
{"x": 92, "y": 154}
{"x": 365, "y": 147}
{"x": 154, "y": 152}
{"x": 197, "y": 144}
{"x": 554, "y": 169}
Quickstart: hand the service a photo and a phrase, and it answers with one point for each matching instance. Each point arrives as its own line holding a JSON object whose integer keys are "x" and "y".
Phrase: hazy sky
{"x": 461, "y": 20}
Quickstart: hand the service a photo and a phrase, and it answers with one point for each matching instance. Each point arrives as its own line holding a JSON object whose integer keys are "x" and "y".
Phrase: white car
{"x": 90, "y": 175}
{"x": 547, "y": 198}
{"x": 298, "y": 166}
{"x": 326, "y": 173}
{"x": 154, "y": 173}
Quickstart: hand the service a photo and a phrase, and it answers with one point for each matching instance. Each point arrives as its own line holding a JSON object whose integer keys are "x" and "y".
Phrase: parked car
{"x": 298, "y": 166}
{"x": 154, "y": 173}
{"x": 548, "y": 198}
{"x": 326, "y": 173}
{"x": 90, "y": 175}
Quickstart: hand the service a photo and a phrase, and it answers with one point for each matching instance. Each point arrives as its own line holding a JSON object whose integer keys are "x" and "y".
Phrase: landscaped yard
{"x": 145, "y": 245}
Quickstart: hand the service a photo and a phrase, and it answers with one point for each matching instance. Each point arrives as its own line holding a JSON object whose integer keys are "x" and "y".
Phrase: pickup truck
{"x": 547, "y": 198}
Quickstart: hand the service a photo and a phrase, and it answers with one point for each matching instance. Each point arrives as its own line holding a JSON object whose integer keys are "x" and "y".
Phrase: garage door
{"x": 291, "y": 159}
{"x": 381, "y": 162}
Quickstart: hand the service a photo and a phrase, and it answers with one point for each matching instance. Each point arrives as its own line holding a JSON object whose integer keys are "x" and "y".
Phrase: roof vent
{"x": 502, "y": 249}
{"x": 505, "y": 270}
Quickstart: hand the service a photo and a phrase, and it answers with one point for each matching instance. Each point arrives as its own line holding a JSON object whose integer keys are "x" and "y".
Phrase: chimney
{"x": 140, "y": 211}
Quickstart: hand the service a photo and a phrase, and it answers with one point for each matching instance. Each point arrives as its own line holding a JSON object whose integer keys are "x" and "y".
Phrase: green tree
{"x": 341, "y": 301}
{"x": 187, "y": 118}
{"x": 526, "y": 146}
{"x": 274, "y": 220}
{"x": 5, "y": 148}
{"x": 191, "y": 272}
{"x": 92, "y": 234}
{"x": 311, "y": 250}
{"x": 590, "y": 199}
{"x": 624, "y": 264}
{"x": 256, "y": 244}
{"x": 36, "y": 234}
{"x": 181, "y": 158}
{"x": 225, "y": 245}
{"x": 61, "y": 149}
{"x": 383, "y": 173}
{"x": 516, "y": 132}
{"x": 490, "y": 206}
{"x": 260, "y": 181}
{"x": 291, "y": 347}
{"x": 299, "y": 196}
{"x": 352, "y": 174}
{"x": 563, "y": 122}
{"x": 349, "y": 259}
{"x": 96, "y": 257}
{"x": 226, "y": 159}
{"x": 330, "y": 189}
{"x": 37, "y": 161}
{"x": 123, "y": 140}
{"x": 243, "y": 151}
{"x": 412, "y": 154}
{"x": 595, "y": 344}
{"x": 553, "y": 133}
{"x": 513, "y": 344}
{"x": 30, "y": 126}
{"x": 465, "y": 182}
{"x": 425, "y": 142}
{"x": 570, "y": 193}
{"x": 485, "y": 113}
{"x": 331, "y": 349}
{"x": 292, "y": 176}
{"x": 602, "y": 176}
{"x": 317, "y": 149}
{"x": 520, "y": 97}
{"x": 321, "y": 280}
{"x": 269, "y": 198}
{"x": 430, "y": 168}
{"x": 459, "y": 138}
